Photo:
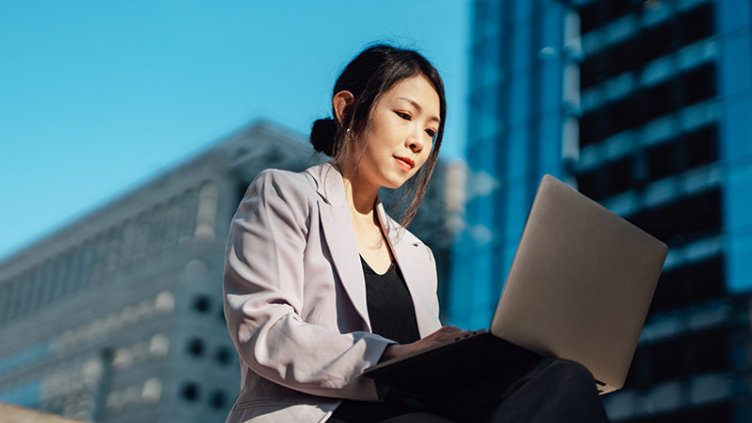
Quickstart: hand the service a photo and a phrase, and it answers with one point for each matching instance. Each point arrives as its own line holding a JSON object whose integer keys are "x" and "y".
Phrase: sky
{"x": 97, "y": 98}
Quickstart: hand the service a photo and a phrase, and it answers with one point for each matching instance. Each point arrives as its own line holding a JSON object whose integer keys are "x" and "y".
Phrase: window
{"x": 593, "y": 127}
{"x": 701, "y": 146}
{"x": 681, "y": 357}
{"x": 596, "y": 14}
{"x": 609, "y": 179}
{"x": 712, "y": 350}
{"x": 5, "y": 298}
{"x": 659, "y": 100}
{"x": 657, "y": 41}
{"x": 223, "y": 355}
{"x": 684, "y": 152}
{"x": 593, "y": 70}
{"x": 698, "y": 84}
{"x": 662, "y": 160}
{"x": 623, "y": 114}
{"x": 113, "y": 255}
{"x": 196, "y": 347}
{"x": 692, "y": 283}
{"x": 684, "y": 220}
{"x": 202, "y": 304}
{"x": 697, "y": 23}
{"x": 218, "y": 399}
{"x": 622, "y": 57}
{"x": 157, "y": 221}
{"x": 190, "y": 392}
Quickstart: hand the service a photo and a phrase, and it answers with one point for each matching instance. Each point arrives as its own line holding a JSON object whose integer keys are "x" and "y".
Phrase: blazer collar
{"x": 340, "y": 238}
{"x": 329, "y": 184}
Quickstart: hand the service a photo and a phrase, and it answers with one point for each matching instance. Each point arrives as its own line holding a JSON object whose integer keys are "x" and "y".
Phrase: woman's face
{"x": 398, "y": 138}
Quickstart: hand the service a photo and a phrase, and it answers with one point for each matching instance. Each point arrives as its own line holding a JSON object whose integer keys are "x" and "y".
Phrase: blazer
{"x": 295, "y": 298}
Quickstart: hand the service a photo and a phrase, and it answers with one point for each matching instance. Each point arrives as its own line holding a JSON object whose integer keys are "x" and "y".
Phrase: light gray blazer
{"x": 295, "y": 298}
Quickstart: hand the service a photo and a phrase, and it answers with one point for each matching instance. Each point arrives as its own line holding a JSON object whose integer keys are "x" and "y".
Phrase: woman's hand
{"x": 442, "y": 336}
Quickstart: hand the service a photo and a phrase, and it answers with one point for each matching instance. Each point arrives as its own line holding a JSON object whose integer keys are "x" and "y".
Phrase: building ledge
{"x": 15, "y": 414}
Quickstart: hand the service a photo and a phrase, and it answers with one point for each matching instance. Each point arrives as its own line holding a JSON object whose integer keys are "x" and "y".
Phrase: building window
{"x": 114, "y": 250}
{"x": 190, "y": 392}
{"x": 86, "y": 264}
{"x": 206, "y": 214}
{"x": 152, "y": 391}
{"x": 6, "y": 293}
{"x": 682, "y": 357}
{"x": 218, "y": 400}
{"x": 684, "y": 220}
{"x": 690, "y": 284}
{"x": 609, "y": 179}
{"x": 202, "y": 304}
{"x": 157, "y": 221}
{"x": 61, "y": 276}
{"x": 172, "y": 225}
{"x": 223, "y": 356}
{"x": 697, "y": 23}
{"x": 196, "y": 347}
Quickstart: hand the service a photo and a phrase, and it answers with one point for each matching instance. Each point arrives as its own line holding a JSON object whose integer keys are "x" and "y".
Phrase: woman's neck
{"x": 360, "y": 196}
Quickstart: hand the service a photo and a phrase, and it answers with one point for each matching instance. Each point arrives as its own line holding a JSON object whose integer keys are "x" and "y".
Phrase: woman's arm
{"x": 263, "y": 287}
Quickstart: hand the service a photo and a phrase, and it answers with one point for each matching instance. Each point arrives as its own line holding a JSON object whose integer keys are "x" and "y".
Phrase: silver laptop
{"x": 579, "y": 288}
{"x": 580, "y": 285}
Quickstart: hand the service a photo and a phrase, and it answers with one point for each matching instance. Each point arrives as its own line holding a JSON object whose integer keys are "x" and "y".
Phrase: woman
{"x": 320, "y": 283}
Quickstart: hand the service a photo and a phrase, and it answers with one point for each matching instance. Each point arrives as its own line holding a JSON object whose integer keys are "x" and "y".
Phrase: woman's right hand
{"x": 442, "y": 336}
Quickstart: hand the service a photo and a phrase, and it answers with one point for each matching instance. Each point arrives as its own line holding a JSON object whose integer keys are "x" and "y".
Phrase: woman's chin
{"x": 395, "y": 181}
{"x": 394, "y": 186}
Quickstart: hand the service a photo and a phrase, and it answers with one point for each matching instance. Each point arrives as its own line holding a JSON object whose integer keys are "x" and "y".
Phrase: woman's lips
{"x": 405, "y": 162}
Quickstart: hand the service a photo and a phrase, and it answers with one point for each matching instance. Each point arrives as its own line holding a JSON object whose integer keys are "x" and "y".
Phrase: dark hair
{"x": 368, "y": 76}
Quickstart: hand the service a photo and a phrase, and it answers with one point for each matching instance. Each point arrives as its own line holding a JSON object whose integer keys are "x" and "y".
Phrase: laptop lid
{"x": 580, "y": 285}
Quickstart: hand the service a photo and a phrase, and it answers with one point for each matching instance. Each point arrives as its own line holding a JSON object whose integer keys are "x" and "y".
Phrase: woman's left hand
{"x": 442, "y": 336}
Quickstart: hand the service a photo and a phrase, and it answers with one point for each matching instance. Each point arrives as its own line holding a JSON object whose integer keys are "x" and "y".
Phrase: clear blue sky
{"x": 99, "y": 97}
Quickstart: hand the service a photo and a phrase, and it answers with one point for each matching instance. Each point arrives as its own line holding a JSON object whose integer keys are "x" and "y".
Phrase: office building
{"x": 118, "y": 316}
{"x": 645, "y": 106}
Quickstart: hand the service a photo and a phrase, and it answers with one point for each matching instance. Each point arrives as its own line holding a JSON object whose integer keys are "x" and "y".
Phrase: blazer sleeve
{"x": 263, "y": 293}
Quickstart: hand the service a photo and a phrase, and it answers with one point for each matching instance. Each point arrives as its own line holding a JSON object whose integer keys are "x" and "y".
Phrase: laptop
{"x": 579, "y": 288}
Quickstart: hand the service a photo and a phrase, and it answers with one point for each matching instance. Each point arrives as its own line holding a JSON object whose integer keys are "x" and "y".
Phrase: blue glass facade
{"x": 646, "y": 107}
{"x": 734, "y": 20}
{"x": 515, "y": 136}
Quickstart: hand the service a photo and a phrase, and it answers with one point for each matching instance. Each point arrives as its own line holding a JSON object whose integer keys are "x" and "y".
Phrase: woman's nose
{"x": 415, "y": 143}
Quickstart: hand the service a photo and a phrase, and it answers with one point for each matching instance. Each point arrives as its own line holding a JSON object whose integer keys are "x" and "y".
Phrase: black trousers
{"x": 547, "y": 390}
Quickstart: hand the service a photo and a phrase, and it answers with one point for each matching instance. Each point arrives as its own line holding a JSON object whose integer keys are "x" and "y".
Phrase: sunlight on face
{"x": 399, "y": 136}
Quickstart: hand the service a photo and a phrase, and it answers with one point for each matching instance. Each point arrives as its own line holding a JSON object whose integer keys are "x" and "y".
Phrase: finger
{"x": 450, "y": 329}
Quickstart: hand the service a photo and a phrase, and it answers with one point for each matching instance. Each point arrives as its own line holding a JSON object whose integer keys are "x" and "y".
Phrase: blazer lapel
{"x": 340, "y": 237}
{"x": 407, "y": 256}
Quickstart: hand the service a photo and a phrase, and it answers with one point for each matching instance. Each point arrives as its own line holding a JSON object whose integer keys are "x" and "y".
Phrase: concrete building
{"x": 118, "y": 316}
{"x": 645, "y": 106}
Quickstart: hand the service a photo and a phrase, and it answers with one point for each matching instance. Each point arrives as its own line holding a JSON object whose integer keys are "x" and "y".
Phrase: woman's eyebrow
{"x": 417, "y": 106}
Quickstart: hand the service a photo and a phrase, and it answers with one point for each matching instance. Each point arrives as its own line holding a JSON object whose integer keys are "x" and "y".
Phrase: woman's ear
{"x": 340, "y": 103}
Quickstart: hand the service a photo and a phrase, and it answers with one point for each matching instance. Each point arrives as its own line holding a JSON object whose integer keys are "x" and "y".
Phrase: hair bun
{"x": 322, "y": 135}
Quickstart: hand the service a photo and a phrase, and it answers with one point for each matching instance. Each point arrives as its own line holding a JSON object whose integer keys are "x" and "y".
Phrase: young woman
{"x": 320, "y": 283}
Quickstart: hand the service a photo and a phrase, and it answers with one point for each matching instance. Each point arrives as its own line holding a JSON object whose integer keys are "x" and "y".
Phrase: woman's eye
{"x": 403, "y": 115}
{"x": 430, "y": 132}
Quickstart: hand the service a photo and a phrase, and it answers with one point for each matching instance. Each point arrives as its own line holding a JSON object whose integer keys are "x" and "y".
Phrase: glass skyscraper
{"x": 519, "y": 96}
{"x": 646, "y": 107}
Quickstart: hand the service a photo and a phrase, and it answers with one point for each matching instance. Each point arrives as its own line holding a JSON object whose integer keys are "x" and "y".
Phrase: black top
{"x": 392, "y": 315}
{"x": 390, "y": 306}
